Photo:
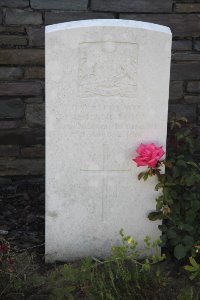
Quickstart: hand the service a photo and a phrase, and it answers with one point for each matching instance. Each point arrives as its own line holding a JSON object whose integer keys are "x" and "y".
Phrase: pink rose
{"x": 149, "y": 155}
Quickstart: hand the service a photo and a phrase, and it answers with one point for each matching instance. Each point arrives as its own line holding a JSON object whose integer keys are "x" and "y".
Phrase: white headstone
{"x": 107, "y": 85}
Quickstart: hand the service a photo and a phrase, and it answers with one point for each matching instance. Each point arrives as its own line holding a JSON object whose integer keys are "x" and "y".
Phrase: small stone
{"x": 180, "y": 24}
{"x": 34, "y": 100}
{"x": 13, "y": 40}
{"x": 193, "y": 87}
{"x": 176, "y": 90}
{"x": 22, "y": 136}
{"x": 34, "y": 73}
{"x": 36, "y": 36}
{"x": 182, "y": 45}
{"x": 14, "y": 3}
{"x": 186, "y": 56}
{"x": 23, "y": 17}
{"x": 5, "y": 181}
{"x": 3, "y": 232}
{"x": 184, "y": 110}
{"x": 59, "y": 4}
{"x": 58, "y": 17}
{"x": 197, "y": 45}
{"x": 22, "y": 56}
{"x": 9, "y": 124}
{"x": 185, "y": 71}
{"x": 12, "y": 29}
{"x": 30, "y": 218}
{"x": 37, "y": 151}
{"x": 132, "y": 6}
{"x": 11, "y": 108}
{"x": 10, "y": 73}
{"x": 35, "y": 115}
{"x": 16, "y": 166}
{"x": 9, "y": 150}
{"x": 20, "y": 89}
{"x": 192, "y": 99}
{"x": 187, "y": 7}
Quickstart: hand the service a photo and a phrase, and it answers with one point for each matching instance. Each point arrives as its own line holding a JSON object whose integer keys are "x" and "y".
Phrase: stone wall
{"x": 22, "y": 66}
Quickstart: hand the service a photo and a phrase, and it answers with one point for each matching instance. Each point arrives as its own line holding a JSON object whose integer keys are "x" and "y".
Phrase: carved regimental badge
{"x": 108, "y": 69}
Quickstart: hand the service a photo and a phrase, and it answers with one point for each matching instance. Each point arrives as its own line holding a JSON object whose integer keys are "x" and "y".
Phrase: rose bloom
{"x": 149, "y": 155}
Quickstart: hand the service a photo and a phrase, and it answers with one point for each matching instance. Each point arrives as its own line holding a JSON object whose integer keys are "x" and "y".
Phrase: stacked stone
{"x": 22, "y": 65}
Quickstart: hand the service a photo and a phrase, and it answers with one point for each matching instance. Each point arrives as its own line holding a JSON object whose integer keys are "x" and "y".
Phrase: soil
{"x": 22, "y": 206}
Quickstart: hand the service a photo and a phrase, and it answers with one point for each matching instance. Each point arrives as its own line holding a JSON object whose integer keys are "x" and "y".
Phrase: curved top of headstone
{"x": 108, "y": 22}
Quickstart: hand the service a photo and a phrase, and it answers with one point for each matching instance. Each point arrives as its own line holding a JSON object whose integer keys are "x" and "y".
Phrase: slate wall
{"x": 22, "y": 66}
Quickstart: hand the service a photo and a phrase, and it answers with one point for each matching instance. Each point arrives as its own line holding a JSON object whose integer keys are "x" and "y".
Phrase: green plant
{"x": 121, "y": 276}
{"x": 193, "y": 268}
{"x": 188, "y": 293}
{"x": 179, "y": 204}
{"x": 18, "y": 273}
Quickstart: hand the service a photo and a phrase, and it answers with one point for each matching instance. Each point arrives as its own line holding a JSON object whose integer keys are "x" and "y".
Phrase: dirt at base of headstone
{"x": 22, "y": 207}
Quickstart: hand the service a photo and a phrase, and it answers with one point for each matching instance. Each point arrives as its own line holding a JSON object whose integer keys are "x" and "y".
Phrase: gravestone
{"x": 107, "y": 85}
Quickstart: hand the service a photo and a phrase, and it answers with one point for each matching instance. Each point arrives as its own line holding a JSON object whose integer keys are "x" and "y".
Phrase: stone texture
{"x": 12, "y": 29}
{"x": 59, "y": 4}
{"x": 187, "y": 110}
{"x": 34, "y": 100}
{"x": 132, "y": 6}
{"x": 22, "y": 56}
{"x": 183, "y": 45}
{"x": 13, "y": 40}
{"x": 34, "y": 73}
{"x": 35, "y": 115}
{"x": 197, "y": 45}
{"x": 180, "y": 24}
{"x": 101, "y": 104}
{"x": 10, "y": 73}
{"x": 1, "y": 17}
{"x": 20, "y": 89}
{"x": 193, "y": 86}
{"x": 187, "y": 1}
{"x": 9, "y": 150}
{"x": 22, "y": 136}
{"x": 185, "y": 71}
{"x": 58, "y": 17}
{"x": 185, "y": 56}
{"x": 176, "y": 90}
{"x": 14, "y": 3}
{"x": 23, "y": 17}
{"x": 36, "y": 36}
{"x": 187, "y": 7}
{"x": 192, "y": 99}
{"x": 11, "y": 108}
{"x": 9, "y": 124}
{"x": 31, "y": 152}
{"x": 13, "y": 167}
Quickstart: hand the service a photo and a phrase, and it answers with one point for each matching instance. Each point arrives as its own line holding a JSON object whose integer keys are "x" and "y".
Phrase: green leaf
{"x": 188, "y": 240}
{"x": 189, "y": 268}
{"x": 175, "y": 172}
{"x": 171, "y": 233}
{"x": 162, "y": 228}
{"x": 181, "y": 163}
{"x": 189, "y": 228}
{"x": 158, "y": 186}
{"x": 191, "y": 163}
{"x": 194, "y": 263}
{"x": 179, "y": 251}
{"x": 155, "y": 215}
{"x": 140, "y": 176}
{"x": 145, "y": 177}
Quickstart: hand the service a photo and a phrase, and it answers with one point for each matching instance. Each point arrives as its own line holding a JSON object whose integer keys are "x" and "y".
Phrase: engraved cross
{"x": 104, "y": 172}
